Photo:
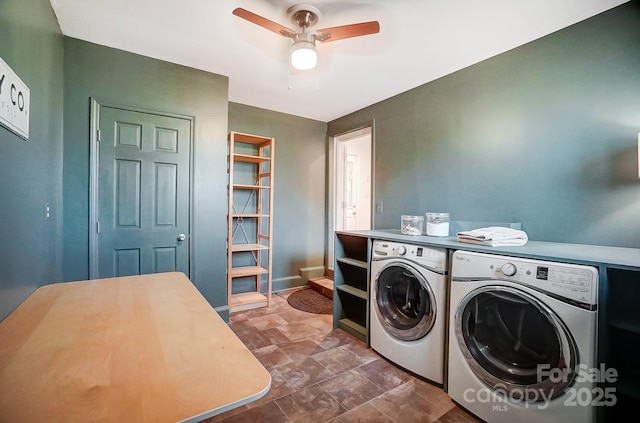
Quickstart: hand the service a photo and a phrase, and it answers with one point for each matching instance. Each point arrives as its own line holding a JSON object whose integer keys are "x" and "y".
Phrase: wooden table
{"x": 132, "y": 349}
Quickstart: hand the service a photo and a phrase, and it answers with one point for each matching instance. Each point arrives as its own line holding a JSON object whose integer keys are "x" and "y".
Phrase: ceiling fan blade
{"x": 348, "y": 31}
{"x": 263, "y": 22}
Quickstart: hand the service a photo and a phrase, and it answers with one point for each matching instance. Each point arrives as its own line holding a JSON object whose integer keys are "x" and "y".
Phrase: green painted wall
{"x": 31, "y": 171}
{"x": 299, "y": 215}
{"x": 545, "y": 134}
{"x": 115, "y": 77}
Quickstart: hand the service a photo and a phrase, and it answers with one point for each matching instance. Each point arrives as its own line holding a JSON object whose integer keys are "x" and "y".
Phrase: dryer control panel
{"x": 571, "y": 281}
{"x": 434, "y": 258}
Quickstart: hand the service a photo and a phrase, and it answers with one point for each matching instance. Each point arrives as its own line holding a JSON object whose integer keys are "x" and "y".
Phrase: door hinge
{"x": 98, "y": 135}
{"x": 98, "y": 227}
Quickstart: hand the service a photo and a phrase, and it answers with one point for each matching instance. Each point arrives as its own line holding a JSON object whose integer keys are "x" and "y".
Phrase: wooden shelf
{"x": 246, "y": 186}
{"x": 250, "y": 138}
{"x": 250, "y": 159}
{"x": 238, "y": 248}
{"x": 245, "y": 271}
{"x": 247, "y": 301}
{"x": 252, "y": 236}
{"x": 243, "y": 215}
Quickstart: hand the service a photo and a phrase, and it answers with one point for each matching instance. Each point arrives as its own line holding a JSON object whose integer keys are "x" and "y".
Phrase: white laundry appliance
{"x": 408, "y": 306}
{"x": 522, "y": 338}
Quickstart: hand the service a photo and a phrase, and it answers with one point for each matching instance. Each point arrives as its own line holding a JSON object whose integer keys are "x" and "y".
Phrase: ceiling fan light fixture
{"x": 304, "y": 55}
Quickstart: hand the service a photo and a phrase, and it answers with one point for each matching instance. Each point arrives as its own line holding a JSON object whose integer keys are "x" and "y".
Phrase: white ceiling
{"x": 419, "y": 41}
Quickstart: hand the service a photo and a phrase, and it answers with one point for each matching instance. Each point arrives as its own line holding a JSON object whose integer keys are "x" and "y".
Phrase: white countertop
{"x": 620, "y": 257}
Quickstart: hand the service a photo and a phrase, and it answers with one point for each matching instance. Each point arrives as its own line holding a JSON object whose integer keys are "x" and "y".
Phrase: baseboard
{"x": 289, "y": 282}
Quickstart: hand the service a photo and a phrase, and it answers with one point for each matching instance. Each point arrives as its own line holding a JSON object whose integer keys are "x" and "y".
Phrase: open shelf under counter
{"x": 353, "y": 262}
{"x": 353, "y": 291}
{"x": 353, "y": 328}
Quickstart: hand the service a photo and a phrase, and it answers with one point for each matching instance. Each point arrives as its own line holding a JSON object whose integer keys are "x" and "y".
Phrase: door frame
{"x": 332, "y": 181}
{"x": 94, "y": 161}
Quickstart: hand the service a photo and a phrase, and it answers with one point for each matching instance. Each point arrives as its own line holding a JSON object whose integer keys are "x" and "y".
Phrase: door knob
{"x": 182, "y": 237}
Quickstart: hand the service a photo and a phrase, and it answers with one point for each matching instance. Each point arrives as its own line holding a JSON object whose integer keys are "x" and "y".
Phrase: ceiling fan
{"x": 303, "y": 54}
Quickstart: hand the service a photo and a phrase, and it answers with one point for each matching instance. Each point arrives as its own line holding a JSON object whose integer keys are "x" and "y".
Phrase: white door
{"x": 350, "y": 173}
{"x": 349, "y": 201}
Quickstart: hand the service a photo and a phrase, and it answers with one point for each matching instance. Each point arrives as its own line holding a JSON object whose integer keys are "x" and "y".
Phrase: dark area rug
{"x": 310, "y": 301}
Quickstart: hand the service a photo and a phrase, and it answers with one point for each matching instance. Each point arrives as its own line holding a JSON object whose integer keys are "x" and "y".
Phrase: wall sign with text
{"x": 14, "y": 101}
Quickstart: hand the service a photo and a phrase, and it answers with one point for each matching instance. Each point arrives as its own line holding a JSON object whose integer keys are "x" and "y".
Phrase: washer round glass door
{"x": 404, "y": 302}
{"x": 513, "y": 342}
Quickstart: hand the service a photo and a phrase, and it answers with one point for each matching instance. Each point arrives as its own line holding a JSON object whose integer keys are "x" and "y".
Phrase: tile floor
{"x": 321, "y": 374}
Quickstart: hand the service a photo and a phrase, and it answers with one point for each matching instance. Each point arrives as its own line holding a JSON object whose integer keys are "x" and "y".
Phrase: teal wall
{"x": 31, "y": 171}
{"x": 545, "y": 134}
{"x": 299, "y": 215}
{"x": 115, "y": 77}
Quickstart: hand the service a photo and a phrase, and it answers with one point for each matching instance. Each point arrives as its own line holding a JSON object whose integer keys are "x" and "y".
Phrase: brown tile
{"x": 279, "y": 388}
{"x": 321, "y": 322}
{"x": 365, "y": 413}
{"x": 305, "y": 372}
{"x": 254, "y": 338}
{"x": 302, "y": 348}
{"x": 430, "y": 390}
{"x": 267, "y": 321}
{"x": 359, "y": 348}
{"x": 238, "y": 318}
{"x": 275, "y": 335}
{"x": 351, "y": 389}
{"x": 311, "y": 405}
{"x": 293, "y": 315}
{"x": 384, "y": 374}
{"x": 458, "y": 415}
{"x": 404, "y": 404}
{"x": 271, "y": 356}
{"x": 318, "y": 373}
{"x": 297, "y": 330}
{"x": 265, "y": 413}
{"x": 340, "y": 359}
{"x": 334, "y": 339}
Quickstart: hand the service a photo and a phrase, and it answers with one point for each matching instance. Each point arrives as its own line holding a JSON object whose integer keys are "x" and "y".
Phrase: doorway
{"x": 140, "y": 202}
{"x": 350, "y": 184}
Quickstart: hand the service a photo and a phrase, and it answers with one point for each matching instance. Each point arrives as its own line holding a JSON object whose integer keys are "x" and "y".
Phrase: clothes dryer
{"x": 522, "y": 338}
{"x": 408, "y": 306}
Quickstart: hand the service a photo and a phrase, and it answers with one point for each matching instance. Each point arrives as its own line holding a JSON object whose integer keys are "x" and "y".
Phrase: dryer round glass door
{"x": 513, "y": 342}
{"x": 404, "y": 302}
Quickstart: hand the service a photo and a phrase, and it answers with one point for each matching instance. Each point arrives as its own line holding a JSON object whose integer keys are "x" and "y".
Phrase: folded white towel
{"x": 494, "y": 236}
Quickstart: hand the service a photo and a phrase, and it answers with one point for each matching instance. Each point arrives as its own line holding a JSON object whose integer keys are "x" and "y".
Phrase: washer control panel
{"x": 435, "y": 258}
{"x": 574, "y": 282}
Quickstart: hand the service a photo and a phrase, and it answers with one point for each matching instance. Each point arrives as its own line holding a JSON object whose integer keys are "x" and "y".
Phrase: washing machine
{"x": 408, "y": 306}
{"x": 522, "y": 338}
